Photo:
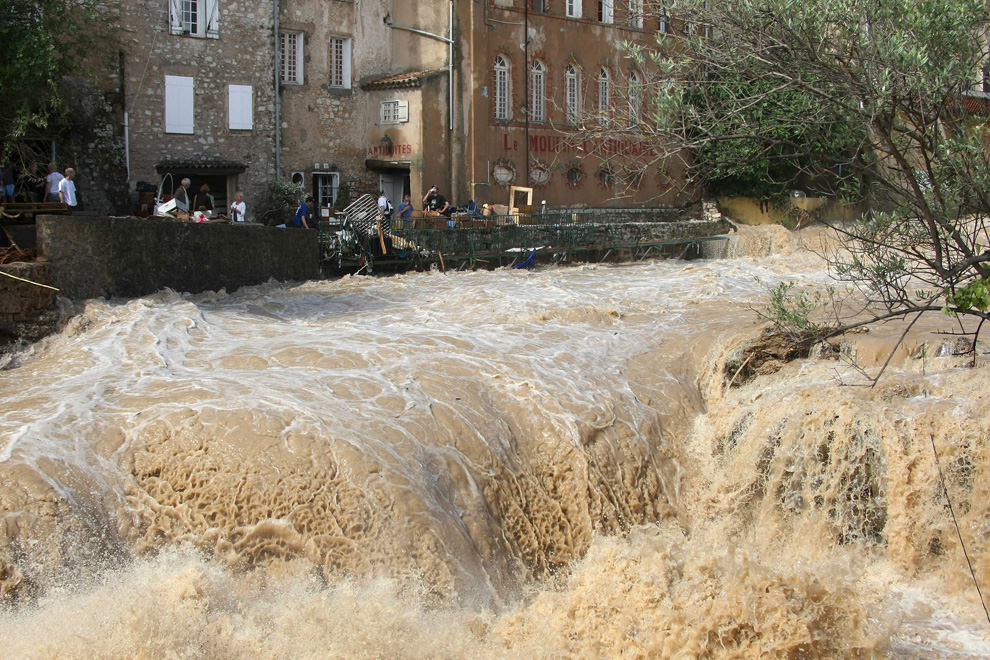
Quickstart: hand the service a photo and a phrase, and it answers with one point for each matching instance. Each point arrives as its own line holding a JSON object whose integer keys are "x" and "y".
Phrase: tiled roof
{"x": 400, "y": 80}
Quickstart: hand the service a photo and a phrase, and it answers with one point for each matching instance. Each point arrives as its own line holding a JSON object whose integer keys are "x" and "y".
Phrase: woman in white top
{"x": 238, "y": 207}
{"x": 52, "y": 180}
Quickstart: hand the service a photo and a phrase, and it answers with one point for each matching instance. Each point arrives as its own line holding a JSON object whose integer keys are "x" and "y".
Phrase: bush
{"x": 279, "y": 201}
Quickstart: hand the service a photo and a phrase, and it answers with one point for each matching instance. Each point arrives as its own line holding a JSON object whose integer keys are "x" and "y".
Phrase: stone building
{"x": 198, "y": 94}
{"x": 472, "y": 95}
{"x": 526, "y": 76}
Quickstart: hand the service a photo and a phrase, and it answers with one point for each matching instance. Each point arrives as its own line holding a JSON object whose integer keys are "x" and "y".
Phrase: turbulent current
{"x": 514, "y": 464}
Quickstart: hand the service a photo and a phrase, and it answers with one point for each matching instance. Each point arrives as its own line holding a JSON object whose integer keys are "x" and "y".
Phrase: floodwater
{"x": 506, "y": 464}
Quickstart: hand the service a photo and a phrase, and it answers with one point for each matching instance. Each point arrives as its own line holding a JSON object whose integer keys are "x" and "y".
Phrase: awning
{"x": 375, "y": 164}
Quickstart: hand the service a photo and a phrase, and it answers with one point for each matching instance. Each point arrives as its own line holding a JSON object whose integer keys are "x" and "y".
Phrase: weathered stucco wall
{"x": 108, "y": 257}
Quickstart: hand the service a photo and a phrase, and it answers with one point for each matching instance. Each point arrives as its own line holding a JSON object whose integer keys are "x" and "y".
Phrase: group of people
{"x": 54, "y": 188}
{"x": 203, "y": 204}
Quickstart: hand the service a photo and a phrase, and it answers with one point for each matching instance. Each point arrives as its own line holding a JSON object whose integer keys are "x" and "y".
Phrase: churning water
{"x": 540, "y": 464}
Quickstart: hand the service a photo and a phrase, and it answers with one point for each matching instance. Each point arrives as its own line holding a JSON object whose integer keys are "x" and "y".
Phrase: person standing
{"x": 67, "y": 189}
{"x": 203, "y": 201}
{"x": 182, "y": 194}
{"x": 405, "y": 208}
{"x": 302, "y": 214}
{"x": 52, "y": 180}
{"x": 7, "y": 177}
{"x": 238, "y": 208}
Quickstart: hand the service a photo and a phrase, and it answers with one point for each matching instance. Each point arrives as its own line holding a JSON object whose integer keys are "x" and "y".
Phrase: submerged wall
{"x": 92, "y": 257}
{"x": 27, "y": 311}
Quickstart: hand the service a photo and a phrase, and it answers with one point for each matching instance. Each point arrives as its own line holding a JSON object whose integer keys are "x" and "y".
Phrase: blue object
{"x": 528, "y": 261}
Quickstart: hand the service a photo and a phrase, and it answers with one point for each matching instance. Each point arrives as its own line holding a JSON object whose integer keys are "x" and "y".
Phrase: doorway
{"x": 395, "y": 184}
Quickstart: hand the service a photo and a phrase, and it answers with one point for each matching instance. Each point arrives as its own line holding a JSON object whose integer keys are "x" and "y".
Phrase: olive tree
{"x": 877, "y": 101}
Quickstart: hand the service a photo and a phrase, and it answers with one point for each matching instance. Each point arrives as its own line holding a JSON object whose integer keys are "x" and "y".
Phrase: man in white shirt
{"x": 52, "y": 180}
{"x": 67, "y": 189}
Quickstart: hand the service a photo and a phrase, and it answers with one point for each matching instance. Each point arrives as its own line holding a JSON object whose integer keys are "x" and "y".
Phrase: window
{"x": 635, "y": 99}
{"x": 604, "y": 95}
{"x": 662, "y": 21}
{"x": 538, "y": 93}
{"x": 541, "y": 6}
{"x": 290, "y": 57}
{"x": 393, "y": 112}
{"x": 606, "y": 11}
{"x": 194, "y": 18}
{"x": 179, "y": 104}
{"x": 636, "y": 13}
{"x": 501, "y": 88}
{"x": 573, "y": 9}
{"x": 241, "y": 107}
{"x": 325, "y": 186}
{"x": 340, "y": 62}
{"x": 572, "y": 93}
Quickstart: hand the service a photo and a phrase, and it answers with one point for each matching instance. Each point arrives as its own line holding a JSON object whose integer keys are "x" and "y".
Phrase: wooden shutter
{"x": 179, "y": 104}
{"x": 212, "y": 19}
{"x": 241, "y": 107}
{"x": 403, "y": 112}
{"x": 175, "y": 16}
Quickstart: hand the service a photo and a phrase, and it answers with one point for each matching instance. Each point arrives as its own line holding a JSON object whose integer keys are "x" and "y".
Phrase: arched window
{"x": 538, "y": 93}
{"x": 501, "y": 88}
{"x": 572, "y": 93}
{"x": 604, "y": 95}
{"x": 635, "y": 99}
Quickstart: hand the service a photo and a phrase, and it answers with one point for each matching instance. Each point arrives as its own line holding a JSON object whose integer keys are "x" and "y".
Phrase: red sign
{"x": 556, "y": 144}
{"x": 397, "y": 150}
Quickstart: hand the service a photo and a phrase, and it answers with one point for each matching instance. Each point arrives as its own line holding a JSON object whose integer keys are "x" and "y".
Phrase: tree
{"x": 42, "y": 42}
{"x": 869, "y": 99}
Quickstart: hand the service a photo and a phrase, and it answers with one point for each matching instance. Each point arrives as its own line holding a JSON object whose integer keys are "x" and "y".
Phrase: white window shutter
{"x": 347, "y": 63}
{"x": 175, "y": 16}
{"x": 403, "y": 112}
{"x": 179, "y": 104}
{"x": 240, "y": 103}
{"x": 212, "y": 19}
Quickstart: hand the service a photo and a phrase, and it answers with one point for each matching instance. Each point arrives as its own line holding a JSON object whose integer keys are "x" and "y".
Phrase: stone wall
{"x": 91, "y": 257}
{"x": 27, "y": 311}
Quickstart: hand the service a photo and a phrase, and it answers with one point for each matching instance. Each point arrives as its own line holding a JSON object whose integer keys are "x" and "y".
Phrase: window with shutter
{"x": 501, "y": 88}
{"x": 340, "y": 62}
{"x": 290, "y": 57}
{"x": 636, "y": 13}
{"x": 179, "y": 104}
{"x": 194, "y": 18}
{"x": 393, "y": 112}
{"x": 572, "y": 94}
{"x": 606, "y": 11}
{"x": 538, "y": 92}
{"x": 240, "y": 104}
{"x": 604, "y": 95}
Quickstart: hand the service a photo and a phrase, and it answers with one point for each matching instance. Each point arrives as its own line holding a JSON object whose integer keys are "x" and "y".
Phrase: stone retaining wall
{"x": 27, "y": 311}
{"x": 130, "y": 257}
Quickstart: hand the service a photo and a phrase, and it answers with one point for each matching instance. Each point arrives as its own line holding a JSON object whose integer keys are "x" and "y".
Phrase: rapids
{"x": 504, "y": 464}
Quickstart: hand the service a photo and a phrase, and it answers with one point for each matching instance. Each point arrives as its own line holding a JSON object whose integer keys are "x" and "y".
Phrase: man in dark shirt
{"x": 299, "y": 220}
{"x": 436, "y": 204}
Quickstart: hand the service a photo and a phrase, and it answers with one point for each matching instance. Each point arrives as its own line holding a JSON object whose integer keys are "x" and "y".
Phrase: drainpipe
{"x": 450, "y": 70}
{"x": 526, "y": 75}
{"x": 278, "y": 101}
